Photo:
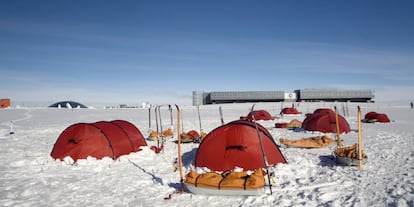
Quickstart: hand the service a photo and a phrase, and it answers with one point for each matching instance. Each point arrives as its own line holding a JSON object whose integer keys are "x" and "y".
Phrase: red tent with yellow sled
{"x": 241, "y": 144}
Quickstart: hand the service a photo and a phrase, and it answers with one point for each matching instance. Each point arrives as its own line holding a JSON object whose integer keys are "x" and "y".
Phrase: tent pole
{"x": 157, "y": 124}
{"x": 360, "y": 157}
{"x": 162, "y": 130}
{"x": 182, "y": 124}
{"x": 262, "y": 149}
{"x": 199, "y": 118}
{"x": 199, "y": 121}
{"x": 171, "y": 116}
{"x": 338, "y": 132}
{"x": 149, "y": 118}
{"x": 221, "y": 116}
{"x": 162, "y": 134}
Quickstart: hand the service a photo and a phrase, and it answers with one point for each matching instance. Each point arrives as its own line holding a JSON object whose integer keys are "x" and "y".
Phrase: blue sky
{"x": 161, "y": 51}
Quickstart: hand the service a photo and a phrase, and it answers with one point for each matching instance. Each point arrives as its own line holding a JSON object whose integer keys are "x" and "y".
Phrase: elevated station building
{"x": 300, "y": 95}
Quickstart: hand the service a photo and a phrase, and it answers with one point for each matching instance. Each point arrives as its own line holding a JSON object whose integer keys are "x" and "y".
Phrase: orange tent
{"x": 100, "y": 139}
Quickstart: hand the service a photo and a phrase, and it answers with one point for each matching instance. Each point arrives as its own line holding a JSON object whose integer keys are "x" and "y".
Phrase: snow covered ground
{"x": 30, "y": 177}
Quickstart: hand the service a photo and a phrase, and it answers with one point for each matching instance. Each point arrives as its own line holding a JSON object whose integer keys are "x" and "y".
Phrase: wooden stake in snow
{"x": 179, "y": 159}
{"x": 338, "y": 132}
{"x": 360, "y": 157}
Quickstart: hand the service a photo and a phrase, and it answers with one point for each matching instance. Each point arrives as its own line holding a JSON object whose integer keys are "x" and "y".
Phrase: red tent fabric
{"x": 236, "y": 144}
{"x": 259, "y": 115}
{"x": 376, "y": 117}
{"x": 99, "y": 139}
{"x": 289, "y": 111}
{"x": 4, "y": 103}
{"x": 324, "y": 120}
{"x": 134, "y": 134}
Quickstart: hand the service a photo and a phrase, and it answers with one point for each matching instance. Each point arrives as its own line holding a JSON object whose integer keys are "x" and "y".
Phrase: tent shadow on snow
{"x": 188, "y": 157}
{"x": 327, "y": 161}
{"x": 155, "y": 179}
{"x": 100, "y": 139}
{"x": 297, "y": 129}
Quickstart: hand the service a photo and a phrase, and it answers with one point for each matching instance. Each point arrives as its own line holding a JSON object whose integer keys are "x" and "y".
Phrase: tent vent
{"x": 73, "y": 140}
{"x": 237, "y": 147}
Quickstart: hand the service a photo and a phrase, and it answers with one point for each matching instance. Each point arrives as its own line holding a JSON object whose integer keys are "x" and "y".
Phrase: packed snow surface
{"x": 31, "y": 177}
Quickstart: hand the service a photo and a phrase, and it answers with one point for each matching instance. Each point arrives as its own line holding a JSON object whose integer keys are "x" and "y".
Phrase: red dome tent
{"x": 259, "y": 115}
{"x": 99, "y": 139}
{"x": 4, "y": 103}
{"x": 236, "y": 144}
{"x": 324, "y": 120}
{"x": 376, "y": 117}
{"x": 289, "y": 111}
